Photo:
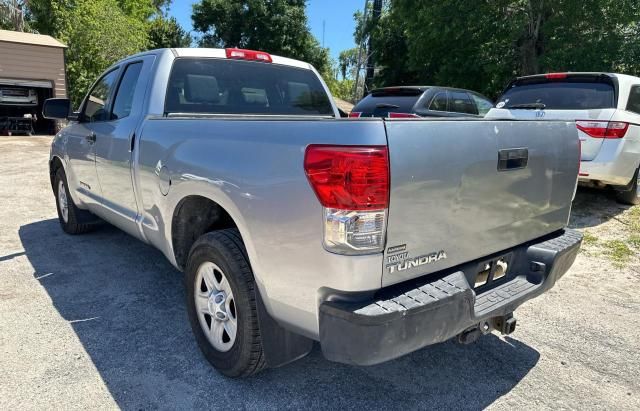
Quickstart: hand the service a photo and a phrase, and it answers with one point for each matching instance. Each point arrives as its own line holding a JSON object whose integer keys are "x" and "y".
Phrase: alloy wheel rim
{"x": 63, "y": 202}
{"x": 215, "y": 306}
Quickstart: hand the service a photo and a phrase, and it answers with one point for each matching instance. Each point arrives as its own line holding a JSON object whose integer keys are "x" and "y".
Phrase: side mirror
{"x": 56, "y": 109}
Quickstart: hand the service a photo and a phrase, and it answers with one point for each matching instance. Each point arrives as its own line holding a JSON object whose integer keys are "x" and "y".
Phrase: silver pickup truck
{"x": 374, "y": 237}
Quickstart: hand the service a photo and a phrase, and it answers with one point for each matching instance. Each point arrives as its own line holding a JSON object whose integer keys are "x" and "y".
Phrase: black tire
{"x": 78, "y": 221}
{"x": 630, "y": 194}
{"x": 225, "y": 249}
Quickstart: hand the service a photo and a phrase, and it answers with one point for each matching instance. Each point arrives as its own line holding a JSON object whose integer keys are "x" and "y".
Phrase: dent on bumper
{"x": 407, "y": 317}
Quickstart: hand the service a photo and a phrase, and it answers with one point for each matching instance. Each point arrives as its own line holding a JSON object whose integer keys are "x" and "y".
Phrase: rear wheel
{"x": 72, "y": 219}
{"x": 631, "y": 193}
{"x": 221, "y": 303}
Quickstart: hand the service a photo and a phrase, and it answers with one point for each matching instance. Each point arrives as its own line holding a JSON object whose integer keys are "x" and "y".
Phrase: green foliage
{"x": 618, "y": 252}
{"x": 98, "y": 34}
{"x": 348, "y": 62}
{"x": 142, "y": 10}
{"x": 589, "y": 239}
{"x": 275, "y": 26}
{"x": 342, "y": 89}
{"x": 166, "y": 32}
{"x": 482, "y": 44}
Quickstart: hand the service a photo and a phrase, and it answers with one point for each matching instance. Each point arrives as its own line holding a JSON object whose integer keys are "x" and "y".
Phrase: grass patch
{"x": 589, "y": 239}
{"x": 634, "y": 240}
{"x": 634, "y": 218}
{"x": 618, "y": 252}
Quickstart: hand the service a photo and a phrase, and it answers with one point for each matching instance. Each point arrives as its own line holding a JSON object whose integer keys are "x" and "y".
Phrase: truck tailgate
{"x": 453, "y": 201}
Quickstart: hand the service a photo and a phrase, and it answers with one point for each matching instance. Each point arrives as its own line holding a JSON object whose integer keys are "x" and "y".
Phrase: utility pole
{"x": 360, "y": 47}
{"x": 371, "y": 61}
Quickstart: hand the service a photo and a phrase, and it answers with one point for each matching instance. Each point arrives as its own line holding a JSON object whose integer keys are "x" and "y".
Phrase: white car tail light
{"x": 603, "y": 129}
{"x": 352, "y": 184}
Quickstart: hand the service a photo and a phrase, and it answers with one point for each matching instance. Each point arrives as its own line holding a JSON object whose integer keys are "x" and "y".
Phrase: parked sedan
{"x": 422, "y": 101}
{"x": 606, "y": 109}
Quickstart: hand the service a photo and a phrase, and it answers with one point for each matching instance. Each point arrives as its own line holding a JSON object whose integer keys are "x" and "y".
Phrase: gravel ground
{"x": 98, "y": 321}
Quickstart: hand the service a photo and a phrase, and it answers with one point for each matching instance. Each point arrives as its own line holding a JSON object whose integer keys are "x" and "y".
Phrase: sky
{"x": 337, "y": 15}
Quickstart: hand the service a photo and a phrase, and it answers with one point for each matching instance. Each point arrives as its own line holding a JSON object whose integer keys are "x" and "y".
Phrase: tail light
{"x": 243, "y": 54}
{"x": 603, "y": 129}
{"x": 403, "y": 115}
{"x": 555, "y": 76}
{"x": 352, "y": 184}
{"x": 355, "y": 114}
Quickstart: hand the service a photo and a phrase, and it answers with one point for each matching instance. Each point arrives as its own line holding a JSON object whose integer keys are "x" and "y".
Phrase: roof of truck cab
{"x": 215, "y": 53}
{"x": 221, "y": 53}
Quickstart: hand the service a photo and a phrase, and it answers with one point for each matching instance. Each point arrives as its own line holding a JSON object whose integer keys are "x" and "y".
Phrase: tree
{"x": 12, "y": 15}
{"x": 482, "y": 44}
{"x": 98, "y": 33}
{"x": 348, "y": 62}
{"x": 166, "y": 32}
{"x": 276, "y": 26}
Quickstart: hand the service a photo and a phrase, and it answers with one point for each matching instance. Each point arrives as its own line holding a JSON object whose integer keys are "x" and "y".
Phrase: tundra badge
{"x": 400, "y": 262}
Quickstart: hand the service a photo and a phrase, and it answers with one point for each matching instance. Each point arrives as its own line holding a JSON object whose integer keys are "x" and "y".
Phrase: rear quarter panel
{"x": 254, "y": 169}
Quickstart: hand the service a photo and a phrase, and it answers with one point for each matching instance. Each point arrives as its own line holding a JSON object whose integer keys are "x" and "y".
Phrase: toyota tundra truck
{"x": 375, "y": 237}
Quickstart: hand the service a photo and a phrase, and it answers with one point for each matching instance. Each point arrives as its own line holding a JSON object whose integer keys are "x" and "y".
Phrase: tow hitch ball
{"x": 505, "y": 324}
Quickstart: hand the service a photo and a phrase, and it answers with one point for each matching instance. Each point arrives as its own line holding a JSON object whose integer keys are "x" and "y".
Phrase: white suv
{"x": 606, "y": 109}
{"x": 15, "y": 96}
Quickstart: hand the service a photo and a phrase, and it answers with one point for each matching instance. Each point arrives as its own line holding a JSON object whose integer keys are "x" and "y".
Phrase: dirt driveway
{"x": 98, "y": 321}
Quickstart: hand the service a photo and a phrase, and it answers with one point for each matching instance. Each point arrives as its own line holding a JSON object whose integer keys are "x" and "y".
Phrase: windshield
{"x": 563, "y": 95}
{"x": 219, "y": 86}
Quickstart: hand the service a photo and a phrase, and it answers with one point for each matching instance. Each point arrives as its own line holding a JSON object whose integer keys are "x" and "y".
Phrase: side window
{"x": 634, "y": 100}
{"x": 483, "y": 104}
{"x": 439, "y": 102}
{"x": 98, "y": 99}
{"x": 461, "y": 103}
{"x": 126, "y": 90}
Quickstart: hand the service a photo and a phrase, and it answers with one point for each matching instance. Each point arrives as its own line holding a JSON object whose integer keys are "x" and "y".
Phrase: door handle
{"x": 512, "y": 159}
{"x": 91, "y": 138}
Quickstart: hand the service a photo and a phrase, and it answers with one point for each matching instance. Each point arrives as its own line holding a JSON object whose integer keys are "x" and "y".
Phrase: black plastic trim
{"x": 402, "y": 319}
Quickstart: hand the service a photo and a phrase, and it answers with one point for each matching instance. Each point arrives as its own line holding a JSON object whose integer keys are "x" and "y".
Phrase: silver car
{"x": 606, "y": 109}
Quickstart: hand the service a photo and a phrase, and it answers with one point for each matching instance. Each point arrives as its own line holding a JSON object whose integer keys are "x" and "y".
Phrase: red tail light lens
{"x": 556, "y": 76}
{"x": 403, "y": 115}
{"x": 243, "y": 54}
{"x": 349, "y": 177}
{"x": 603, "y": 129}
{"x": 355, "y": 114}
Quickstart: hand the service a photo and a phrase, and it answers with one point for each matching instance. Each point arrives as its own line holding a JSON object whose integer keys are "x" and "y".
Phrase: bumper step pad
{"x": 417, "y": 313}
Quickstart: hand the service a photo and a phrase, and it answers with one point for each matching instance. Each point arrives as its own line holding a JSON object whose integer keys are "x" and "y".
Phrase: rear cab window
{"x": 381, "y": 102}
{"x": 578, "y": 92}
{"x": 223, "y": 86}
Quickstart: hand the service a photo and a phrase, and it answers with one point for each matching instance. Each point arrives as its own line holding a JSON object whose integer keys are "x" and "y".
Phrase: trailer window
{"x": 219, "y": 86}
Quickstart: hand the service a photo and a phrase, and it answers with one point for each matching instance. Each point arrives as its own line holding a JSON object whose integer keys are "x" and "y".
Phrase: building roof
{"x": 343, "y": 105}
{"x": 29, "y": 38}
